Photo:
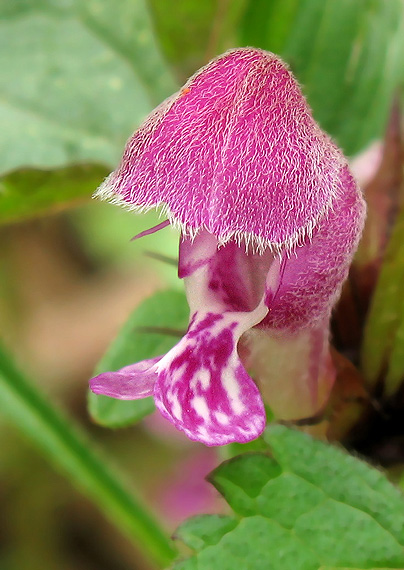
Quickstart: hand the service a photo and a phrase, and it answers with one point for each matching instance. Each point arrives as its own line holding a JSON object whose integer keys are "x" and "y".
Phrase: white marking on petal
{"x": 175, "y": 407}
{"x": 201, "y": 407}
{"x": 233, "y": 391}
{"x": 204, "y": 434}
{"x": 204, "y": 378}
{"x": 222, "y": 418}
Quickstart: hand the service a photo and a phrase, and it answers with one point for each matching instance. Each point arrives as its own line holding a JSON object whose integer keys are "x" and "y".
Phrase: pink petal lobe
{"x": 202, "y": 386}
{"x": 129, "y": 383}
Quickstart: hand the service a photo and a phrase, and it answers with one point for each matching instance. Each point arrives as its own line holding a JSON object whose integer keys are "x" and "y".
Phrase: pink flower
{"x": 270, "y": 217}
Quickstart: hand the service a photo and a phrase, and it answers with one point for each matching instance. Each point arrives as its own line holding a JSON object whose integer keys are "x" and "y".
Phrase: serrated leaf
{"x": 229, "y": 479}
{"x": 205, "y": 530}
{"x": 312, "y": 507}
{"x": 382, "y": 348}
{"x": 76, "y": 78}
{"x": 342, "y": 534}
{"x": 29, "y": 193}
{"x": 256, "y": 543}
{"x": 347, "y": 55}
{"x": 137, "y": 341}
{"x": 341, "y": 476}
{"x": 190, "y": 564}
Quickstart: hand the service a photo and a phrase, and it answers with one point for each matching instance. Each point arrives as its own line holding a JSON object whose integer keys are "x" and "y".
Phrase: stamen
{"x": 152, "y": 230}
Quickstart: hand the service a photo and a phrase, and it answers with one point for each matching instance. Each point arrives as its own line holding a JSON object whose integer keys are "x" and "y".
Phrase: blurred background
{"x": 76, "y": 78}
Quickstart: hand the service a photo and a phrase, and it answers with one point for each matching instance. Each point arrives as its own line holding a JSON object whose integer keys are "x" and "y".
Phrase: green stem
{"x": 69, "y": 450}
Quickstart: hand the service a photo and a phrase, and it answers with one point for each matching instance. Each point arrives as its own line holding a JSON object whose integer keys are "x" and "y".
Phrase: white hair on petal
{"x": 253, "y": 243}
{"x": 325, "y": 156}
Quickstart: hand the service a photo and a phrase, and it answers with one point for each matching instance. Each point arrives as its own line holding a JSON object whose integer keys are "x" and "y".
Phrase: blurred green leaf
{"x": 383, "y": 343}
{"x": 146, "y": 334}
{"x": 76, "y": 78}
{"x": 195, "y": 31}
{"x": 184, "y": 32}
{"x": 28, "y": 193}
{"x": 107, "y": 231}
{"x": 68, "y": 448}
{"x": 347, "y": 55}
{"x": 309, "y": 506}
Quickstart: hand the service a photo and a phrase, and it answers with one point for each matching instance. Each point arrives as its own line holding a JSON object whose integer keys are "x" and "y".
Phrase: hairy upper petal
{"x": 237, "y": 152}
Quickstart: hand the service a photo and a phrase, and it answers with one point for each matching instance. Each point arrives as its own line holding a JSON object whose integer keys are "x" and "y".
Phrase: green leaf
{"x": 64, "y": 444}
{"x": 307, "y": 506}
{"x": 347, "y": 55}
{"x": 383, "y": 344}
{"x": 341, "y": 476}
{"x": 184, "y": 32}
{"x": 195, "y": 31}
{"x": 230, "y": 482}
{"x": 205, "y": 530}
{"x": 107, "y": 231}
{"x": 76, "y": 78}
{"x": 29, "y": 193}
{"x": 165, "y": 311}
